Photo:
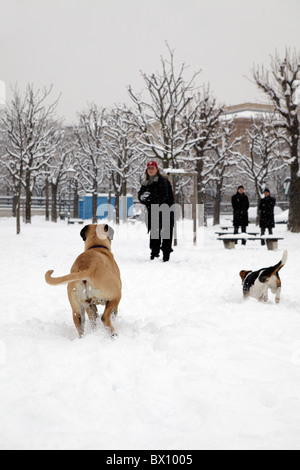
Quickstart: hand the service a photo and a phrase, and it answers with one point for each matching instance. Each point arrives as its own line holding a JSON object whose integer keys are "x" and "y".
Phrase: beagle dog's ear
{"x": 243, "y": 274}
{"x": 83, "y": 232}
{"x": 110, "y": 231}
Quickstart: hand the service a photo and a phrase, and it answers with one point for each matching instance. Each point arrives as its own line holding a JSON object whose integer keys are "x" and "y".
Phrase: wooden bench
{"x": 75, "y": 221}
{"x": 271, "y": 241}
{"x": 230, "y": 240}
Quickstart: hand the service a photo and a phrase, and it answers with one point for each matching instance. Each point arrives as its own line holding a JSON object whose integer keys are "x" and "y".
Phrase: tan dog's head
{"x": 243, "y": 274}
{"x": 93, "y": 235}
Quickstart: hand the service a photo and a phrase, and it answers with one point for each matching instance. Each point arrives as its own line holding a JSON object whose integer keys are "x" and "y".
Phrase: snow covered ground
{"x": 194, "y": 366}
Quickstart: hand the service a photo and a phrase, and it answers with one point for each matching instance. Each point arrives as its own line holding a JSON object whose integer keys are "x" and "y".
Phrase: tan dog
{"x": 94, "y": 279}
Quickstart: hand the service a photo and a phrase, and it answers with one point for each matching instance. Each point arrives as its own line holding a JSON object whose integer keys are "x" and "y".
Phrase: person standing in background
{"x": 267, "y": 220}
{"x": 240, "y": 204}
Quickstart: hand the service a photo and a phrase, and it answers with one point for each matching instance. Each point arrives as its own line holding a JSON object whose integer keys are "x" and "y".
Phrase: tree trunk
{"x": 217, "y": 204}
{"x": 258, "y": 197}
{"x": 14, "y": 205}
{"x": 76, "y": 202}
{"x": 258, "y": 212}
{"x": 124, "y": 188}
{"x": 201, "y": 189}
{"x": 294, "y": 214}
{"x": 54, "y": 202}
{"x": 18, "y": 208}
{"x": 95, "y": 207}
{"x": 117, "y": 208}
{"x": 18, "y": 217}
{"x": 76, "y": 206}
{"x": 166, "y": 163}
{"x": 47, "y": 212}
{"x": 200, "y": 180}
{"x": 28, "y": 199}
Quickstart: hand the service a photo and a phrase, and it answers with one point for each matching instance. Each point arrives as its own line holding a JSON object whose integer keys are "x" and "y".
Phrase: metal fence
{"x": 38, "y": 205}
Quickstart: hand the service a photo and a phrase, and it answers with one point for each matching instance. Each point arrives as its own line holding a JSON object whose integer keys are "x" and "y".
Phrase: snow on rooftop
{"x": 246, "y": 111}
{"x": 240, "y": 115}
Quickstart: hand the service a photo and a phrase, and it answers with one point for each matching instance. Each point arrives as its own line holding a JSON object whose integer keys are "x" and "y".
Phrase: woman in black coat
{"x": 266, "y": 207}
{"x": 157, "y": 191}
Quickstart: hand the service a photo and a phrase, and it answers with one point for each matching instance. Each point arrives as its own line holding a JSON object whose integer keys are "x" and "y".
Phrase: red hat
{"x": 152, "y": 164}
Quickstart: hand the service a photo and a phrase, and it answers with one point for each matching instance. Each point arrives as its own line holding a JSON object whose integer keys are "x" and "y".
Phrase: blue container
{"x": 86, "y": 206}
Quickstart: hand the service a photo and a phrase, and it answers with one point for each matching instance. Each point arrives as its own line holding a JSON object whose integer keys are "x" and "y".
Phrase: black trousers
{"x": 263, "y": 231}
{"x": 244, "y": 230}
{"x": 161, "y": 237}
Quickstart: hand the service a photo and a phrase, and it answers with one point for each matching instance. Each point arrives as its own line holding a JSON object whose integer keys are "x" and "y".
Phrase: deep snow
{"x": 193, "y": 367}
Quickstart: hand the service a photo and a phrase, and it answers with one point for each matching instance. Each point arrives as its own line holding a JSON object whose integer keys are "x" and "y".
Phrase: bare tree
{"x": 57, "y": 170}
{"x": 225, "y": 161}
{"x": 163, "y": 132}
{"x": 91, "y": 152}
{"x": 281, "y": 85}
{"x": 265, "y": 157}
{"x": 14, "y": 157}
{"x": 7, "y": 180}
{"x": 30, "y": 128}
{"x": 124, "y": 158}
{"x": 205, "y": 135}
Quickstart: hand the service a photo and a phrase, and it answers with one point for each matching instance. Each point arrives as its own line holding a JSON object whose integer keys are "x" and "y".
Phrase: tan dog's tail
{"x": 56, "y": 281}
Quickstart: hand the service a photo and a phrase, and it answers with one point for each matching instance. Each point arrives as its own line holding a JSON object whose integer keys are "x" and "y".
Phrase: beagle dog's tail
{"x": 282, "y": 262}
{"x": 284, "y": 258}
{"x": 56, "y": 281}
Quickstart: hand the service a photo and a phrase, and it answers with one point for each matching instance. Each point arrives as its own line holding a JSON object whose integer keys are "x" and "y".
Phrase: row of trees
{"x": 38, "y": 152}
{"x": 172, "y": 120}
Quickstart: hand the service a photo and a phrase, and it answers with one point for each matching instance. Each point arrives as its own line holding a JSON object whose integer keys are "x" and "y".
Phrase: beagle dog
{"x": 257, "y": 283}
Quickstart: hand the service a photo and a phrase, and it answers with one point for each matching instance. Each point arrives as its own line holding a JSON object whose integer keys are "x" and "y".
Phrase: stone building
{"x": 243, "y": 115}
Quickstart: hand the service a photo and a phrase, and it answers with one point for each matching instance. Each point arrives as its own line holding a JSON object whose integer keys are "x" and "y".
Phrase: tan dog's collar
{"x": 99, "y": 246}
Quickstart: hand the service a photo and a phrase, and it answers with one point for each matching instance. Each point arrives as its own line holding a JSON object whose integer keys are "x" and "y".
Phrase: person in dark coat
{"x": 157, "y": 191}
{"x": 266, "y": 207}
{"x": 240, "y": 204}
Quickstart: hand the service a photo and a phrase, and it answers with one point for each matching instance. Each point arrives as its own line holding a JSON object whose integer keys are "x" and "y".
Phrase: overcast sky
{"x": 91, "y": 50}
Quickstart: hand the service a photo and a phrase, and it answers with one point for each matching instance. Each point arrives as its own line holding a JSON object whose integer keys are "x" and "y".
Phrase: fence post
{"x": 125, "y": 205}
